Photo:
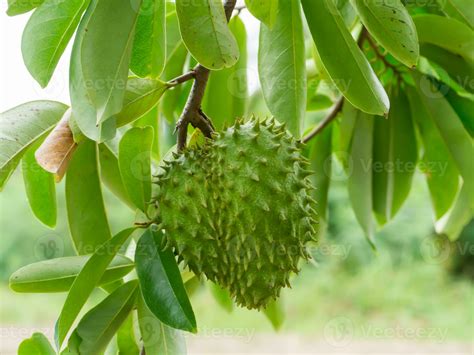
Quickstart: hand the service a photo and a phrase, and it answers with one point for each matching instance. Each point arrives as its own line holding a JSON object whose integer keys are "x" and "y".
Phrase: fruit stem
{"x": 192, "y": 113}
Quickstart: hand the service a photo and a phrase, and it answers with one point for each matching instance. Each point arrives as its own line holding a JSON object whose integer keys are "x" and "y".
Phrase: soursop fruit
{"x": 238, "y": 209}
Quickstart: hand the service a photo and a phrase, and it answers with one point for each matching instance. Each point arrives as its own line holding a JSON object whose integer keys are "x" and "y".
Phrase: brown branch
{"x": 182, "y": 78}
{"x": 192, "y": 113}
{"x": 327, "y": 120}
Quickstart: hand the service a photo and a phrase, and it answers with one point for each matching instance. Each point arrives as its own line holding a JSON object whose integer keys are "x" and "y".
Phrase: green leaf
{"x": 126, "y": 341}
{"x": 82, "y": 103}
{"x": 342, "y": 58}
{"x": 38, "y": 344}
{"x": 18, "y": 7}
{"x": 461, "y": 70}
{"x": 453, "y": 222}
{"x": 21, "y": 126}
{"x": 140, "y": 97}
{"x": 275, "y": 313}
{"x": 222, "y": 296}
{"x": 85, "y": 207}
{"x": 151, "y": 119}
{"x": 226, "y": 94}
{"x": 392, "y": 26}
{"x": 149, "y": 49}
{"x": 451, "y": 129}
{"x": 394, "y": 158}
{"x": 157, "y": 337}
{"x": 86, "y": 281}
{"x": 461, "y": 10}
{"x": 282, "y": 67}
{"x": 174, "y": 67}
{"x": 464, "y": 109}
{"x": 135, "y": 164}
{"x": 264, "y": 10}
{"x": 110, "y": 174}
{"x": 110, "y": 32}
{"x": 447, "y": 33}
{"x": 47, "y": 34}
{"x": 57, "y": 275}
{"x": 204, "y": 30}
{"x": 360, "y": 174}
{"x": 39, "y": 187}
{"x": 431, "y": 68}
{"x": 98, "y": 326}
{"x": 161, "y": 283}
{"x": 437, "y": 164}
{"x": 346, "y": 128}
{"x": 320, "y": 150}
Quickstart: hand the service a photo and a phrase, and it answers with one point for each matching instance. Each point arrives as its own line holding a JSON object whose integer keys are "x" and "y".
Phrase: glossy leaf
{"x": 99, "y": 325}
{"x": 18, "y": 7}
{"x": 110, "y": 174}
{"x": 394, "y": 158}
{"x": 151, "y": 118}
{"x": 264, "y": 10}
{"x": 437, "y": 164}
{"x": 275, "y": 313}
{"x": 344, "y": 61}
{"x": 460, "y": 69}
{"x": 84, "y": 109}
{"x": 140, "y": 97}
{"x": 57, "y": 275}
{"x": 47, "y": 34}
{"x": 135, "y": 165}
{"x": 161, "y": 283}
{"x": 175, "y": 65}
{"x": 282, "y": 67}
{"x": 157, "y": 337}
{"x": 226, "y": 93}
{"x": 447, "y": 33}
{"x": 55, "y": 153}
{"x": 86, "y": 281}
{"x": 126, "y": 341}
{"x": 39, "y": 187}
{"x": 451, "y": 129}
{"x": 222, "y": 297}
{"x": 464, "y": 109}
{"x": 453, "y": 222}
{"x": 38, "y": 344}
{"x": 320, "y": 151}
{"x": 149, "y": 49}
{"x": 110, "y": 31}
{"x": 21, "y": 126}
{"x": 461, "y": 10}
{"x": 392, "y": 26}
{"x": 360, "y": 177}
{"x": 174, "y": 68}
{"x": 85, "y": 206}
{"x": 204, "y": 30}
{"x": 346, "y": 127}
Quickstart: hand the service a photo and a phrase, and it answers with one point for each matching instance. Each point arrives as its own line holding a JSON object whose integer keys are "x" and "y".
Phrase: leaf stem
{"x": 192, "y": 113}
{"x": 326, "y": 121}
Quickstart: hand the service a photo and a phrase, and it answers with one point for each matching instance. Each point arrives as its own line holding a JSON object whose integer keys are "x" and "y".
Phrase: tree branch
{"x": 327, "y": 120}
{"x": 192, "y": 113}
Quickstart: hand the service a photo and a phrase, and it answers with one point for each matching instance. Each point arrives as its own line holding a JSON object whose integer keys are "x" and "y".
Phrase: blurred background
{"x": 415, "y": 294}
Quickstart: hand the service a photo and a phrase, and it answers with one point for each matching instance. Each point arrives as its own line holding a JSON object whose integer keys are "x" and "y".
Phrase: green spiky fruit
{"x": 238, "y": 209}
